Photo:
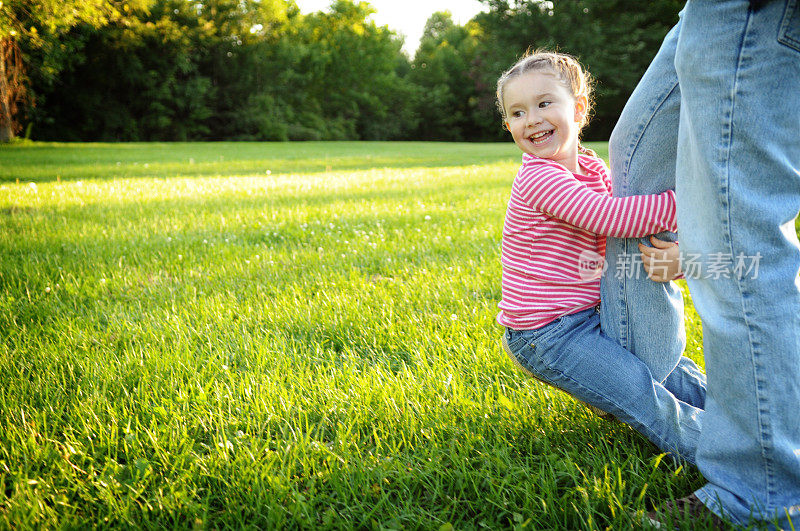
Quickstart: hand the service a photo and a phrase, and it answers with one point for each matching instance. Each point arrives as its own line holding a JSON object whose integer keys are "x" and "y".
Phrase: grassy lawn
{"x": 259, "y": 335}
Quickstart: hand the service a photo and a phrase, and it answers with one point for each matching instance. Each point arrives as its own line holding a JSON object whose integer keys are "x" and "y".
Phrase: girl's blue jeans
{"x": 717, "y": 117}
{"x": 573, "y": 354}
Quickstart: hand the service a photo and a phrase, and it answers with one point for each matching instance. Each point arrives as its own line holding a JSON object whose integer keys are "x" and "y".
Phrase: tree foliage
{"x": 614, "y": 39}
{"x": 261, "y": 70}
{"x": 40, "y": 24}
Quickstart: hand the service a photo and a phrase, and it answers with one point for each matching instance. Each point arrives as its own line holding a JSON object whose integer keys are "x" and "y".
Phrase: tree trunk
{"x": 11, "y": 89}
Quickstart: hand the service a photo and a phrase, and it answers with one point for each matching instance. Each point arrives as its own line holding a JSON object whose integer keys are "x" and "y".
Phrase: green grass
{"x": 259, "y": 335}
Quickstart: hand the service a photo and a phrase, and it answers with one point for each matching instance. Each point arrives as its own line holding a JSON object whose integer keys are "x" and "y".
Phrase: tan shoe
{"x": 688, "y": 508}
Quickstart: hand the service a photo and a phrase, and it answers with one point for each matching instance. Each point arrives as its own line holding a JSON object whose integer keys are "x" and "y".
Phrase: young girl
{"x": 559, "y": 213}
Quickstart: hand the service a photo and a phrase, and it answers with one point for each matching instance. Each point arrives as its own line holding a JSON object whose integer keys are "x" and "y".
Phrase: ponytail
{"x": 586, "y": 151}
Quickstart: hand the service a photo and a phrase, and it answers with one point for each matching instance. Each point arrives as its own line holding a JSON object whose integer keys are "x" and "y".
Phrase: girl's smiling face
{"x": 544, "y": 117}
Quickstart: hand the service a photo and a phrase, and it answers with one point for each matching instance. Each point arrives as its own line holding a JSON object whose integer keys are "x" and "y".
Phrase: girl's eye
{"x": 517, "y": 114}
{"x": 544, "y": 104}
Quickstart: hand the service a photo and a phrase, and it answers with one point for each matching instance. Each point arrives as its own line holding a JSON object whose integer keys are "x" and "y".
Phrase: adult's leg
{"x": 738, "y": 187}
{"x": 575, "y": 356}
{"x": 643, "y": 316}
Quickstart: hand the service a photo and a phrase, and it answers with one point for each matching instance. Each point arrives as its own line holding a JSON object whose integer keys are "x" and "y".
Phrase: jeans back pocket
{"x": 789, "y": 33}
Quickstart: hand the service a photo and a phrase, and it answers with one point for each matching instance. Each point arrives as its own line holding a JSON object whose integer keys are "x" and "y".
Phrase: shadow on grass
{"x": 45, "y": 162}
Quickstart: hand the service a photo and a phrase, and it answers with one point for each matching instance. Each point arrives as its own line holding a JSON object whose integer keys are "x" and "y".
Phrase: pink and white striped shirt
{"x": 554, "y": 237}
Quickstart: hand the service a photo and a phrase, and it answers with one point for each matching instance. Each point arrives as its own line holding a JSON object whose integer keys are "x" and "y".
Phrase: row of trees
{"x": 261, "y": 70}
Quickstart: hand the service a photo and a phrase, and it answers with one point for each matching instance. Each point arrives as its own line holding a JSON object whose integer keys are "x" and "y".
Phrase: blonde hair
{"x": 564, "y": 67}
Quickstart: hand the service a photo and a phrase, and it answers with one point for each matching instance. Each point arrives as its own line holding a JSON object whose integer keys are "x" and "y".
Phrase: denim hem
{"x": 711, "y": 501}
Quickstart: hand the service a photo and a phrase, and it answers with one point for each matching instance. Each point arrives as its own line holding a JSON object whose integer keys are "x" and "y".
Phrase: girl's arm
{"x": 557, "y": 192}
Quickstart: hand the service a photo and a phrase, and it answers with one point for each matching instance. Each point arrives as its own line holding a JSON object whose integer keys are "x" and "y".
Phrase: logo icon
{"x": 591, "y": 265}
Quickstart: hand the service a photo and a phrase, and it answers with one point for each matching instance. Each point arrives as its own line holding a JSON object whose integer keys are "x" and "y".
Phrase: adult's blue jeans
{"x": 738, "y": 194}
{"x": 736, "y": 104}
{"x": 572, "y": 353}
{"x": 645, "y": 317}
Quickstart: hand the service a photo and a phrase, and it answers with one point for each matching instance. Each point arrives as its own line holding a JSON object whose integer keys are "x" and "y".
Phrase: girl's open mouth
{"x": 542, "y": 137}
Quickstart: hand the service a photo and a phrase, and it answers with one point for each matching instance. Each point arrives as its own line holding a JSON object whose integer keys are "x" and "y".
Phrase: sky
{"x": 407, "y": 17}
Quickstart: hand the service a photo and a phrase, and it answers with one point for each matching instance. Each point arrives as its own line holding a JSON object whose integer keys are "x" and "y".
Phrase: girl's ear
{"x": 581, "y": 105}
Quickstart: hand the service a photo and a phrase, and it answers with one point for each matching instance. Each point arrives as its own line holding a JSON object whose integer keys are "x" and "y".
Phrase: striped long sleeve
{"x": 548, "y": 187}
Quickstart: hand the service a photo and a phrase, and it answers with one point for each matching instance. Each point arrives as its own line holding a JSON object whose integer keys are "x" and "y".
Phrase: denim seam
{"x": 762, "y": 406}
{"x": 783, "y": 33}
